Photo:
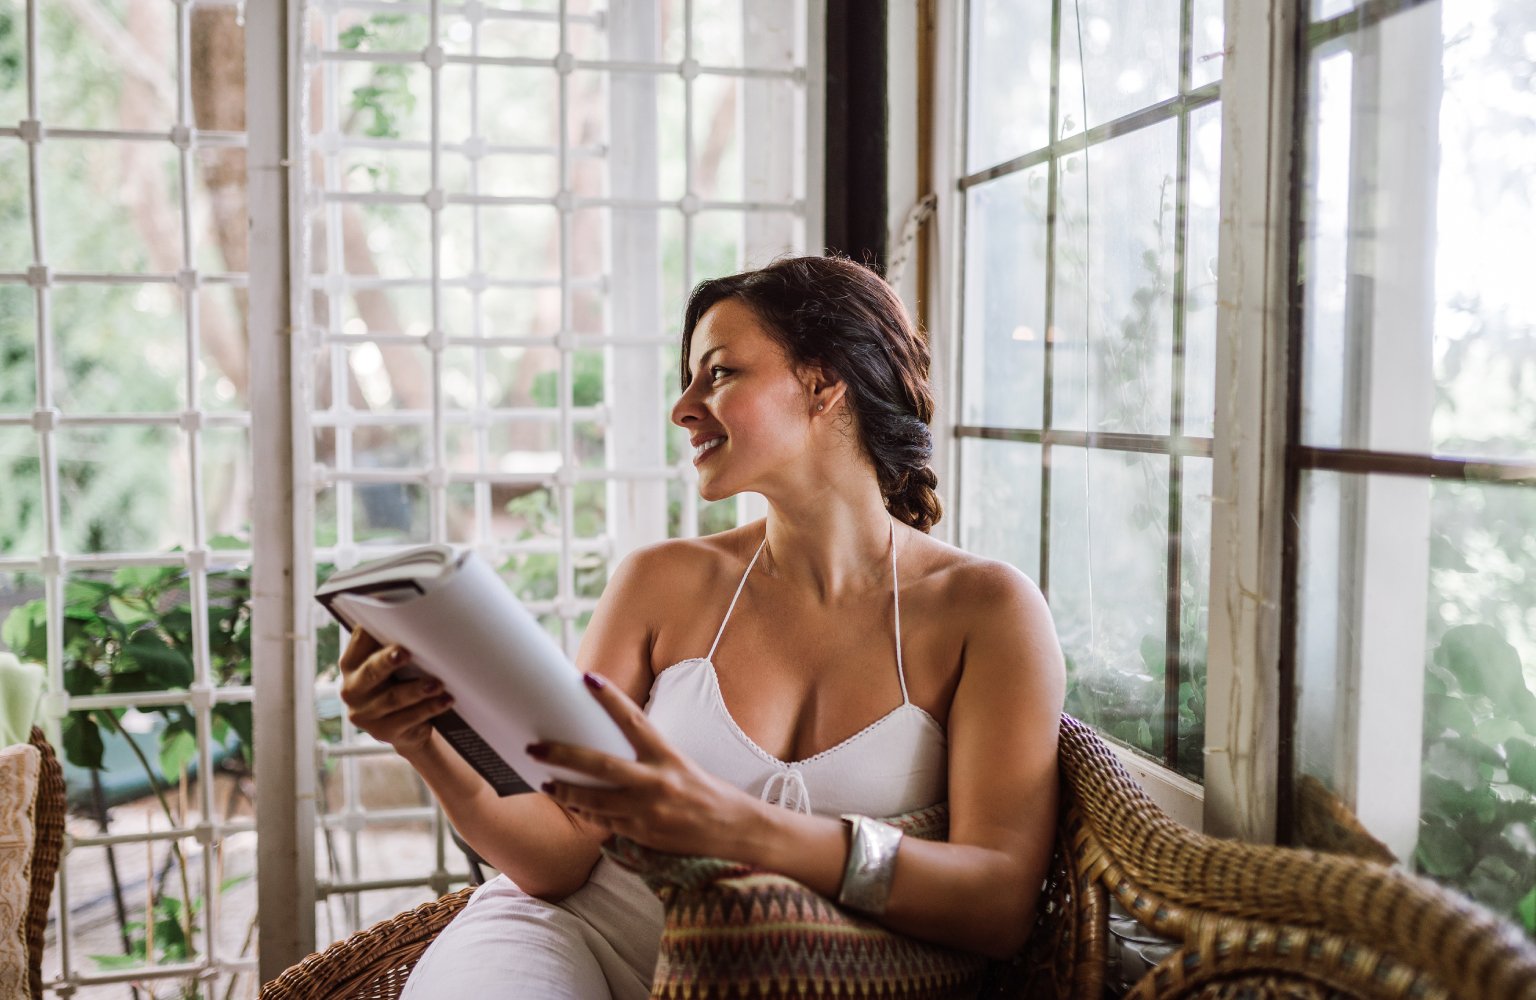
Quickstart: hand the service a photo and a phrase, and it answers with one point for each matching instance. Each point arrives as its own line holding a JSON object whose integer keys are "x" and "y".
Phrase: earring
{"x": 819, "y": 407}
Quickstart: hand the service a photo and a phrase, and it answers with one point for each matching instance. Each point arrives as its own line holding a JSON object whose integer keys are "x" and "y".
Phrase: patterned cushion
{"x": 734, "y": 931}
{"x": 18, "y": 793}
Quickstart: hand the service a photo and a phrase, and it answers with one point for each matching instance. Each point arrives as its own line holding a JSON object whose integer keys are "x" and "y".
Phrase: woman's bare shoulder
{"x": 685, "y": 566}
{"x": 972, "y": 580}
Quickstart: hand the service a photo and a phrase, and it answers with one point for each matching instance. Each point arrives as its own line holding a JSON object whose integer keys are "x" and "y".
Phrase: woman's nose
{"x": 685, "y": 410}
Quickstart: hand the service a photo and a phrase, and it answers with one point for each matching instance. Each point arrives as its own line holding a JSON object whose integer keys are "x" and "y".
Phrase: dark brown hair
{"x": 843, "y": 318}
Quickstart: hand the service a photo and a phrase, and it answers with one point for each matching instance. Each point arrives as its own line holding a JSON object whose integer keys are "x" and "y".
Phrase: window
{"x": 125, "y": 461}
{"x": 1415, "y": 449}
{"x": 1086, "y": 389}
{"x": 507, "y": 207}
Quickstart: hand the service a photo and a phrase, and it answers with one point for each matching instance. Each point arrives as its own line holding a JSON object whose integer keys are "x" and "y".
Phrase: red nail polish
{"x": 594, "y": 682}
{"x": 397, "y": 655}
{"x": 537, "y": 751}
{"x": 548, "y": 788}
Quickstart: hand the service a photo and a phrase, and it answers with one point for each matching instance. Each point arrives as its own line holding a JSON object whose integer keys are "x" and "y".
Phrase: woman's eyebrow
{"x": 704, "y": 358}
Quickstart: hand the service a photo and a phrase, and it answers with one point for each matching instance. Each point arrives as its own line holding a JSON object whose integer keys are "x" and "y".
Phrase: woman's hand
{"x": 394, "y": 711}
{"x": 661, "y": 800}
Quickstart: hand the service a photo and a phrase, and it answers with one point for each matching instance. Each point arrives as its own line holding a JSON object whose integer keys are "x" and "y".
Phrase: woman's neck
{"x": 831, "y": 541}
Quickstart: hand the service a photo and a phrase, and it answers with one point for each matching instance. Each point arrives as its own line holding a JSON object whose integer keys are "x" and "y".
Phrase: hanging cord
{"x": 1082, "y": 81}
{"x": 910, "y": 226}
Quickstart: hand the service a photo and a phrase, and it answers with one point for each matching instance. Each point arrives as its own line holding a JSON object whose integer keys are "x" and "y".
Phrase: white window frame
{"x": 1257, "y": 108}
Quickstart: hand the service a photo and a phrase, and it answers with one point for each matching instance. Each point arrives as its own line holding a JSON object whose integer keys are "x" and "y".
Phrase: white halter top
{"x": 893, "y": 765}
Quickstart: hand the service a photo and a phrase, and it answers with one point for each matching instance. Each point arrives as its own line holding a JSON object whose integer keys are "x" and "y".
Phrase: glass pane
{"x": 1131, "y": 51}
{"x": 1005, "y": 329}
{"x": 1114, "y": 282}
{"x": 1208, "y": 42}
{"x": 1458, "y": 556}
{"x": 717, "y": 34}
{"x": 1107, "y": 584}
{"x": 1194, "y": 614}
{"x": 1000, "y": 501}
{"x": 18, "y": 349}
{"x": 1200, "y": 261}
{"x": 15, "y": 199}
{"x": 1325, "y": 246}
{"x": 132, "y": 190}
{"x": 13, "y": 63}
{"x": 390, "y": 513}
{"x": 23, "y": 617}
{"x": 1485, "y": 301}
{"x": 1010, "y": 81}
{"x": 716, "y": 139}
{"x": 119, "y": 348}
{"x": 227, "y": 483}
{"x": 84, "y": 77}
{"x": 122, "y": 488}
{"x": 21, "y": 501}
{"x": 517, "y": 242}
{"x": 1427, "y": 345}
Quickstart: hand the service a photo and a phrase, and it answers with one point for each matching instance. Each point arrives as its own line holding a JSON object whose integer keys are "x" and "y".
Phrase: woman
{"x": 830, "y": 659}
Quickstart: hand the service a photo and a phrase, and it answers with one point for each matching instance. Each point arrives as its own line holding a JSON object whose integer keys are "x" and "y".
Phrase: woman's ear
{"x": 826, "y": 390}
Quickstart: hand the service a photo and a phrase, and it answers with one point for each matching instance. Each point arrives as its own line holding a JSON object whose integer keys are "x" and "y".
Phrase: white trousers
{"x": 598, "y": 943}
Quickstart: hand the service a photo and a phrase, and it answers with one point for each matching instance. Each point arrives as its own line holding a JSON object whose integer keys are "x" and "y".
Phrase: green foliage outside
{"x": 1478, "y": 798}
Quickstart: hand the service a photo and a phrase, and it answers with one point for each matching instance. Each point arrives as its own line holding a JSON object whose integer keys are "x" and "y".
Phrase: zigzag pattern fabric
{"x": 734, "y": 932}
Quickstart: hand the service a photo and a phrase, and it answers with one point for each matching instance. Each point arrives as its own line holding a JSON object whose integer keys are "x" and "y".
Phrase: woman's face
{"x": 746, "y": 409}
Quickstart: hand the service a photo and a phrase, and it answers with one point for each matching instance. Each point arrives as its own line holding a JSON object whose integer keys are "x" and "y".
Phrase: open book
{"x": 511, "y": 684}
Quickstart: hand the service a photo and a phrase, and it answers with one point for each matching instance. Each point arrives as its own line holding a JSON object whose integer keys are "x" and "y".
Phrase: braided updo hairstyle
{"x": 842, "y": 317}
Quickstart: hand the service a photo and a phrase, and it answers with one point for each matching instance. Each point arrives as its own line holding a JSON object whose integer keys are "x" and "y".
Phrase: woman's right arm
{"x": 540, "y": 846}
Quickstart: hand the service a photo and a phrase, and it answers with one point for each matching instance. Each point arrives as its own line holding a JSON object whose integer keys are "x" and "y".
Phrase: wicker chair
{"x": 47, "y": 846}
{"x": 1248, "y": 921}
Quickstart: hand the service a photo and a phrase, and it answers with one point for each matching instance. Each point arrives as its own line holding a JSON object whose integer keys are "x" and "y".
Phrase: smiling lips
{"x": 703, "y": 447}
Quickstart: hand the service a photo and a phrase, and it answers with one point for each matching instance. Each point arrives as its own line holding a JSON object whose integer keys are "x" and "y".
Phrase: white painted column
{"x": 1248, "y": 488}
{"x": 634, "y": 380}
{"x": 283, "y": 679}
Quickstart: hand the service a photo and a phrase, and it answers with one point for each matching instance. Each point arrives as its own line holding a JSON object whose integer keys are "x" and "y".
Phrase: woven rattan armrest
{"x": 1257, "y": 921}
{"x": 372, "y": 964}
{"x": 47, "y": 847}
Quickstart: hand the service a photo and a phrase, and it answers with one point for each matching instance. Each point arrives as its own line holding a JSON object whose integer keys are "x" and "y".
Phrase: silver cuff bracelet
{"x": 871, "y": 864}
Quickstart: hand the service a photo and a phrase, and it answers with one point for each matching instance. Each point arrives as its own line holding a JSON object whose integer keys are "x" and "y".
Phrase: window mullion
{"x": 1248, "y": 475}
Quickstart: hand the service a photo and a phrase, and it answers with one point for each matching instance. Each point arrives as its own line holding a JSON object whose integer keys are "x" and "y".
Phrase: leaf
{"x": 1442, "y": 851}
{"x": 353, "y": 37}
{"x": 1443, "y": 712}
{"x": 166, "y": 665}
{"x": 132, "y": 578}
{"x": 1451, "y": 762}
{"x": 128, "y": 613}
{"x": 226, "y": 542}
{"x": 1521, "y": 755}
{"x": 178, "y": 748}
{"x": 238, "y": 715}
{"x": 1153, "y": 653}
{"x": 120, "y": 961}
{"x": 82, "y": 597}
{"x": 81, "y": 681}
{"x": 82, "y": 741}
{"x": 1526, "y": 910}
{"x": 21, "y": 623}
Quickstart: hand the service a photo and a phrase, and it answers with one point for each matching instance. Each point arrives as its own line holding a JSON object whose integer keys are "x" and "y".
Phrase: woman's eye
{"x": 717, "y": 372}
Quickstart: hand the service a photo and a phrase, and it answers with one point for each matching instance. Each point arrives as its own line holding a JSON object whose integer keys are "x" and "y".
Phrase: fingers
{"x": 375, "y": 672}
{"x": 647, "y": 741}
{"x": 396, "y": 697}
{"x": 359, "y": 649}
{"x": 605, "y": 768}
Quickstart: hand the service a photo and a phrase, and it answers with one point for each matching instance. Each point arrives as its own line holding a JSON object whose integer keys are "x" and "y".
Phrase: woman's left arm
{"x": 976, "y": 891}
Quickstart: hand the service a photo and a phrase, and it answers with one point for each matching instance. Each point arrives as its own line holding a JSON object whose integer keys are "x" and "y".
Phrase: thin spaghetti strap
{"x": 901, "y": 674}
{"x": 734, "y": 598}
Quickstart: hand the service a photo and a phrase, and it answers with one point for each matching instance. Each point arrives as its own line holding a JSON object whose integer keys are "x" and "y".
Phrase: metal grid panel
{"x": 198, "y": 829}
{"x": 518, "y": 401}
{"x": 1036, "y": 415}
